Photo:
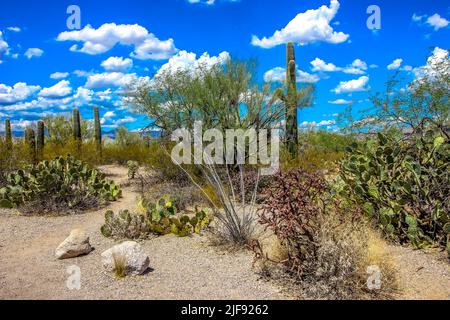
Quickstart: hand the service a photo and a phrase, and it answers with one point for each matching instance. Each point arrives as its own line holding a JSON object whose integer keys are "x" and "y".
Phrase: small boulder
{"x": 76, "y": 244}
{"x": 130, "y": 254}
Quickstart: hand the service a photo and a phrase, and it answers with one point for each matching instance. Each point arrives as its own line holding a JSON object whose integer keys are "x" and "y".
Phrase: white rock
{"x": 134, "y": 258}
{"x": 76, "y": 244}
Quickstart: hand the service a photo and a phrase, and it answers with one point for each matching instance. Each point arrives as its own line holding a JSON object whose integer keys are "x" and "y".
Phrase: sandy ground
{"x": 422, "y": 274}
{"x": 181, "y": 268}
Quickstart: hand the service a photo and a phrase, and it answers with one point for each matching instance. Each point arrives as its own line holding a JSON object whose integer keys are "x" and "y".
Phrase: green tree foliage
{"x": 410, "y": 105}
{"x": 222, "y": 96}
{"x": 60, "y": 131}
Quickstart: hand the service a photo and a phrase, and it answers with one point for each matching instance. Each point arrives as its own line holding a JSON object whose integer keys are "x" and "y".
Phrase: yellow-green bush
{"x": 319, "y": 150}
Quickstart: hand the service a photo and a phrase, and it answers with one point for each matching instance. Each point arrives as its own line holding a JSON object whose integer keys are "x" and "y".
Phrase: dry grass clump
{"x": 349, "y": 255}
{"x": 323, "y": 251}
{"x": 120, "y": 270}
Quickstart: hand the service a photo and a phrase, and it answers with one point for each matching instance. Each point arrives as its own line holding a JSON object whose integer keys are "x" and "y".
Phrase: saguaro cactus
{"x": 40, "y": 140}
{"x": 30, "y": 142}
{"x": 291, "y": 101}
{"x": 8, "y": 135}
{"x": 98, "y": 130}
{"x": 76, "y": 124}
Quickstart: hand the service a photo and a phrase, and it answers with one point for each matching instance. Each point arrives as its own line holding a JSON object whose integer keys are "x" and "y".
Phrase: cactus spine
{"x": 98, "y": 130}
{"x": 40, "y": 140}
{"x": 291, "y": 101}
{"x": 30, "y": 142}
{"x": 8, "y": 135}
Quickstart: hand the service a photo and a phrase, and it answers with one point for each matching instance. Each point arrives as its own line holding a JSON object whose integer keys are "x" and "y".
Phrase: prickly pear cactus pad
{"x": 60, "y": 184}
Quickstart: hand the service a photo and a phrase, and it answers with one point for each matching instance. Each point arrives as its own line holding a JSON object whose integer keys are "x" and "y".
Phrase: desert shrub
{"x": 403, "y": 183}
{"x": 127, "y": 138}
{"x": 326, "y": 249}
{"x": 152, "y": 219}
{"x": 86, "y": 151}
{"x": 63, "y": 184}
{"x": 319, "y": 150}
{"x": 60, "y": 129}
{"x": 183, "y": 197}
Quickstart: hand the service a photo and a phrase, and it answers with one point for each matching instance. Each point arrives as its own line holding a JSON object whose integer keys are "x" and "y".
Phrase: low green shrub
{"x": 319, "y": 150}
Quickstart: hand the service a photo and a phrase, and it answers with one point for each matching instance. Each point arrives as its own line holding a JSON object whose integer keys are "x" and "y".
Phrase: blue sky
{"x": 45, "y": 68}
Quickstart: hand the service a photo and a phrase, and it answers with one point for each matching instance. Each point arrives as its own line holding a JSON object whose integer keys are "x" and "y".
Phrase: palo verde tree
{"x": 222, "y": 96}
{"x": 411, "y": 106}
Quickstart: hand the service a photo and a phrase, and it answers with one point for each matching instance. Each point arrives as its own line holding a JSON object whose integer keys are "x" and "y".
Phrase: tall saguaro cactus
{"x": 291, "y": 101}
{"x": 76, "y": 124}
{"x": 8, "y": 135}
{"x": 40, "y": 140}
{"x": 76, "y": 127}
{"x": 30, "y": 142}
{"x": 98, "y": 130}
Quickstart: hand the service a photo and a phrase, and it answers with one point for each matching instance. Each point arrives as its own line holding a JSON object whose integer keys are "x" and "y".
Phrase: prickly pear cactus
{"x": 125, "y": 225}
{"x": 65, "y": 180}
{"x": 402, "y": 183}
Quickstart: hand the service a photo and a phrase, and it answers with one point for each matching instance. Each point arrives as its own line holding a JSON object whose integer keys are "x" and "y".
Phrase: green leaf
{"x": 438, "y": 141}
{"x": 410, "y": 221}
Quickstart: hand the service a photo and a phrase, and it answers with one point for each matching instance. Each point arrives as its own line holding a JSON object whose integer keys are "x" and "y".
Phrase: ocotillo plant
{"x": 98, "y": 131}
{"x": 40, "y": 140}
{"x": 8, "y": 135}
{"x": 76, "y": 127}
{"x": 30, "y": 143}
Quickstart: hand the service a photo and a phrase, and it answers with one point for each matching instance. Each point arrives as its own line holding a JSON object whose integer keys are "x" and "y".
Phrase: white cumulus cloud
{"x": 395, "y": 64}
{"x": 33, "y": 52}
{"x": 59, "y": 75}
{"x": 14, "y": 29}
{"x": 437, "y": 22}
{"x": 355, "y": 85}
{"x": 19, "y": 92}
{"x": 307, "y": 27}
{"x": 278, "y": 74}
{"x": 184, "y": 60}
{"x": 59, "y": 90}
{"x": 4, "y": 47}
{"x": 356, "y": 67}
{"x": 438, "y": 56}
{"x": 109, "y": 79}
{"x": 96, "y": 41}
{"x": 340, "y": 101}
{"x": 117, "y": 64}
